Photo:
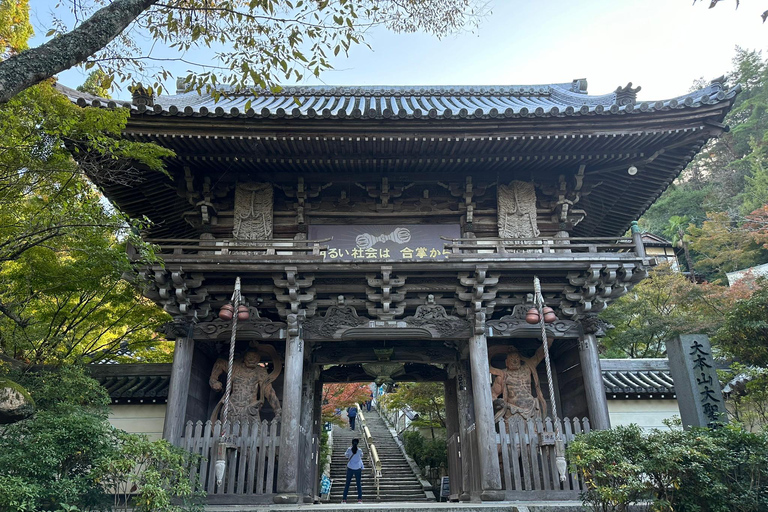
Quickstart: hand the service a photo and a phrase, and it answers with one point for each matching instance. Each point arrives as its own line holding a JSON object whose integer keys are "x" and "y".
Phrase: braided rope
{"x": 228, "y": 390}
{"x": 539, "y": 303}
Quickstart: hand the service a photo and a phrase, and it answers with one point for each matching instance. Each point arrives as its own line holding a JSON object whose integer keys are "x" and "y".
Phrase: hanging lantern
{"x": 532, "y": 316}
{"x": 242, "y": 312}
{"x": 549, "y": 315}
{"x": 226, "y": 312}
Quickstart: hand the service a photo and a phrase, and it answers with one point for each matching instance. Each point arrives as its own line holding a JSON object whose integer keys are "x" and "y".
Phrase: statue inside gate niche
{"x": 251, "y": 385}
{"x": 511, "y": 389}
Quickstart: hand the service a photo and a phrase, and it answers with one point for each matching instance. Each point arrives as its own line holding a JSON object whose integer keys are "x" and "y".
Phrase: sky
{"x": 660, "y": 45}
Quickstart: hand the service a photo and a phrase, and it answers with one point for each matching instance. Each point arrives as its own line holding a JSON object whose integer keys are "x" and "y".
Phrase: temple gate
{"x": 393, "y": 234}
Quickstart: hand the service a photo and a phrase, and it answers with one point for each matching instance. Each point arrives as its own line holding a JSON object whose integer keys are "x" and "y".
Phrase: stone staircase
{"x": 398, "y": 482}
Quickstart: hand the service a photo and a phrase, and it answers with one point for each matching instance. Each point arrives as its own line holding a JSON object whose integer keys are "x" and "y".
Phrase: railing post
{"x": 637, "y": 237}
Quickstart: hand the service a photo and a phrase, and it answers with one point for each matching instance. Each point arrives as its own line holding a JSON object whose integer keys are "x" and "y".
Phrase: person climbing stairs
{"x": 398, "y": 481}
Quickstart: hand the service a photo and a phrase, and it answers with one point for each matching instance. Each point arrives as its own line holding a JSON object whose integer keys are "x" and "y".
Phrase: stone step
{"x": 397, "y": 484}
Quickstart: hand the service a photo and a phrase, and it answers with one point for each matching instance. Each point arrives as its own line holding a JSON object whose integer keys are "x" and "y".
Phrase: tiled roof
{"x": 134, "y": 383}
{"x": 637, "y": 378}
{"x": 406, "y": 102}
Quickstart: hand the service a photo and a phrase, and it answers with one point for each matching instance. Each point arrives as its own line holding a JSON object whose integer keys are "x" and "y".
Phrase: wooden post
{"x": 181, "y": 371}
{"x": 490, "y": 476}
{"x": 466, "y": 418}
{"x": 317, "y": 426}
{"x": 593, "y": 375}
{"x": 288, "y": 464}
{"x": 307, "y": 433}
{"x": 452, "y": 428}
{"x": 637, "y": 237}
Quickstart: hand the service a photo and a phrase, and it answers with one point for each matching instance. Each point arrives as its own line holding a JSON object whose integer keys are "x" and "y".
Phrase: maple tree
{"x": 340, "y": 396}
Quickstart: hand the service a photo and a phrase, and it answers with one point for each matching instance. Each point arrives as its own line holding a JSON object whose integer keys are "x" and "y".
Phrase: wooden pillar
{"x": 307, "y": 434}
{"x": 288, "y": 462}
{"x": 593, "y": 376}
{"x": 317, "y": 426}
{"x": 466, "y": 418}
{"x": 490, "y": 475}
{"x": 181, "y": 371}
{"x": 452, "y": 432}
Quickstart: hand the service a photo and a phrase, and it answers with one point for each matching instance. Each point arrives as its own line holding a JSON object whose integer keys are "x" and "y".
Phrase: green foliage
{"x": 748, "y": 400}
{"x": 744, "y": 334}
{"x": 98, "y": 83}
{"x": 68, "y": 457}
{"x": 723, "y": 246}
{"x": 679, "y": 200}
{"x": 70, "y": 385}
{"x": 611, "y": 467}
{"x": 324, "y": 456}
{"x": 657, "y": 309}
{"x": 425, "y": 452}
{"x": 697, "y": 470}
{"x": 427, "y": 399}
{"x": 15, "y": 28}
{"x": 151, "y": 476}
{"x": 61, "y": 247}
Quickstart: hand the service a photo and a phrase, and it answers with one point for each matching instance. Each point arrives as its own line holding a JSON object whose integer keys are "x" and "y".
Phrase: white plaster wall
{"x": 648, "y": 414}
{"x": 145, "y": 419}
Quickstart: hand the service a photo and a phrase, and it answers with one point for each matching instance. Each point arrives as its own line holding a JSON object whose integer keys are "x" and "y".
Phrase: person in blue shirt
{"x": 352, "y": 415}
{"x": 355, "y": 467}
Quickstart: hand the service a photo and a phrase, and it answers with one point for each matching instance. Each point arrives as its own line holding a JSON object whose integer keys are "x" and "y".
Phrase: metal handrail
{"x": 373, "y": 454}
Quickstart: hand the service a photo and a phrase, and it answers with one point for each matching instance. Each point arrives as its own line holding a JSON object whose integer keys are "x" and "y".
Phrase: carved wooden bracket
{"x": 381, "y": 292}
{"x": 384, "y": 192}
{"x": 180, "y": 294}
{"x": 294, "y": 295}
{"x": 206, "y": 199}
{"x": 301, "y": 193}
{"x": 591, "y": 290}
{"x": 477, "y": 293}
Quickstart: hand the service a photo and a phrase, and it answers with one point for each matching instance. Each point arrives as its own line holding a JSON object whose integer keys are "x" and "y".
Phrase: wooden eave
{"x": 660, "y": 143}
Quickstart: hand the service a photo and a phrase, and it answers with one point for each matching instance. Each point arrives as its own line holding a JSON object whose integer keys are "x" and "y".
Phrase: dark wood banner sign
{"x": 418, "y": 242}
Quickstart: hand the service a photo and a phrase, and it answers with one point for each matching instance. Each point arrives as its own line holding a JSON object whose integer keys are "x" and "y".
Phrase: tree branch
{"x": 37, "y": 64}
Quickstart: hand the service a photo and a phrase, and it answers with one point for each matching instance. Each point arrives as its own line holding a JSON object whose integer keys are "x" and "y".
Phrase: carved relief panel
{"x": 253, "y": 211}
{"x": 517, "y": 210}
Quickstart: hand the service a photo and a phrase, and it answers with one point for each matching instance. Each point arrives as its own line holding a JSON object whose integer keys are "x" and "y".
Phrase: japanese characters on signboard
{"x": 384, "y": 241}
{"x": 710, "y": 396}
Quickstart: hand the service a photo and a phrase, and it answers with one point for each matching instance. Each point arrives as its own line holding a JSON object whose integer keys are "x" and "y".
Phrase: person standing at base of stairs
{"x": 352, "y": 415}
{"x": 355, "y": 468}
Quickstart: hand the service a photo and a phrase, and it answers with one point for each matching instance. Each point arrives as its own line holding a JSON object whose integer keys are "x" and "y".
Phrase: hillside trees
{"x": 61, "y": 246}
{"x": 662, "y": 306}
{"x": 255, "y": 43}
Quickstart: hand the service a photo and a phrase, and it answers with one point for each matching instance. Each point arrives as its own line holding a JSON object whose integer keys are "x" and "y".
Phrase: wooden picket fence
{"x": 251, "y": 464}
{"x": 527, "y": 456}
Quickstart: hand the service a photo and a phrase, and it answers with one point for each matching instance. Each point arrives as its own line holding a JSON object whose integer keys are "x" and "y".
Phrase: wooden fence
{"x": 527, "y": 457}
{"x": 251, "y": 462}
{"x": 526, "y": 454}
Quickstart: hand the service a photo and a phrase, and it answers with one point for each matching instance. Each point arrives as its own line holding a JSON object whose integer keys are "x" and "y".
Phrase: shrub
{"x": 699, "y": 470}
{"x": 425, "y": 452}
{"x": 68, "y": 457}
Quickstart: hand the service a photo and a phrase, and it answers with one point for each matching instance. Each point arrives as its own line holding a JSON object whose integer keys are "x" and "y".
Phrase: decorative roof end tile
{"x": 626, "y": 95}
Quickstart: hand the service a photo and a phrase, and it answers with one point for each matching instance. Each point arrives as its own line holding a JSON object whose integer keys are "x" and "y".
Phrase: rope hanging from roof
{"x": 221, "y": 457}
{"x": 559, "y": 443}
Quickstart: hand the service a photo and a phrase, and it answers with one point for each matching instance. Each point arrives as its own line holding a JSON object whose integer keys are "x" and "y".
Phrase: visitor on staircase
{"x": 354, "y": 467}
{"x": 352, "y": 415}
